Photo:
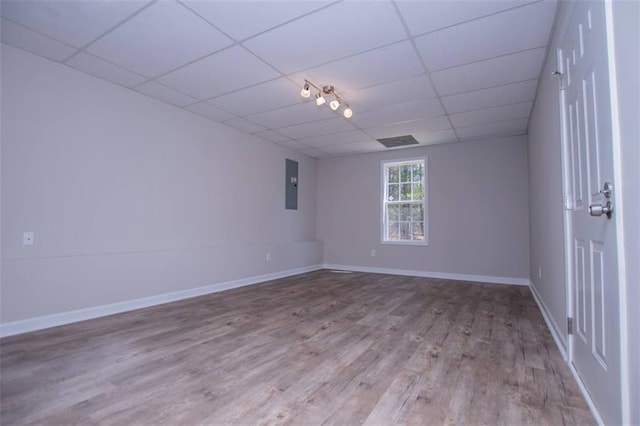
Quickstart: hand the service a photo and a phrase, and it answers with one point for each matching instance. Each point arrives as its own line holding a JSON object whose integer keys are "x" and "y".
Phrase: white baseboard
{"x": 556, "y": 331}
{"x": 427, "y": 274}
{"x": 39, "y": 323}
{"x": 586, "y": 395}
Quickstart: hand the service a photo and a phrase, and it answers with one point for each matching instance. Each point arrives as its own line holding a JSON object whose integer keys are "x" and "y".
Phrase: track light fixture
{"x": 306, "y": 92}
{"x": 335, "y": 104}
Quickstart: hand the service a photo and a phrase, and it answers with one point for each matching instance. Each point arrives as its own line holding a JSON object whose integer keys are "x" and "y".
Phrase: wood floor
{"x": 318, "y": 348}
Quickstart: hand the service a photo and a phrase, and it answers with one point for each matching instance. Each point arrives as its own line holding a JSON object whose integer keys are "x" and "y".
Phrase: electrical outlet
{"x": 268, "y": 257}
{"x": 373, "y": 253}
{"x": 27, "y": 238}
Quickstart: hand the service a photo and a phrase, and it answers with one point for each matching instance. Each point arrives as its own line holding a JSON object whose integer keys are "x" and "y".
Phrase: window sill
{"x": 406, "y": 243}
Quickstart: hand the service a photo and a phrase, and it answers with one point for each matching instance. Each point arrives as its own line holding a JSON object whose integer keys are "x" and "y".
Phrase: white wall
{"x": 478, "y": 213}
{"x": 626, "y": 19}
{"x": 130, "y": 198}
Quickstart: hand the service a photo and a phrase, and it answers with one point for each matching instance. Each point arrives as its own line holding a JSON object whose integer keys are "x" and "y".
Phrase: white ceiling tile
{"x": 424, "y": 16}
{"x": 311, "y": 152}
{"x": 100, "y": 68}
{"x": 164, "y": 93}
{"x": 263, "y": 97}
{"x": 489, "y": 115}
{"x": 351, "y": 136}
{"x": 318, "y": 128}
{"x": 24, "y": 38}
{"x": 293, "y": 145}
{"x": 507, "y": 32}
{"x": 494, "y": 96}
{"x": 395, "y": 92}
{"x": 354, "y": 148}
{"x": 398, "y": 113}
{"x": 409, "y": 127}
{"x": 72, "y": 22}
{"x": 232, "y": 17}
{"x": 226, "y": 71}
{"x": 209, "y": 111}
{"x": 502, "y": 128}
{"x": 244, "y": 125}
{"x": 304, "y": 111}
{"x": 162, "y": 37}
{"x": 395, "y": 62}
{"x": 435, "y": 137}
{"x": 492, "y": 72}
{"x": 272, "y": 136}
{"x": 329, "y": 34}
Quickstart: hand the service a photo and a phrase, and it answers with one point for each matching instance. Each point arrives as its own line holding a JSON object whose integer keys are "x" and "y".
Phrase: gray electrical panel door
{"x": 291, "y": 185}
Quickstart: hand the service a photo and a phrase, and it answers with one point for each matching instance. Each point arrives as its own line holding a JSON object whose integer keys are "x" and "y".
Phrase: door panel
{"x": 577, "y": 152}
{"x": 582, "y": 292}
{"x": 597, "y": 289}
{"x": 595, "y": 286}
{"x": 591, "y": 124}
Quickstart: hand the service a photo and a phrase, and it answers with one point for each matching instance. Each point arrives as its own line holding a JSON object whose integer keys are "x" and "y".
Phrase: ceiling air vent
{"x": 398, "y": 141}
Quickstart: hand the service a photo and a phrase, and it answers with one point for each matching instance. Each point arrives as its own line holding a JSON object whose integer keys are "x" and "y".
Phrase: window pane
{"x": 405, "y": 174}
{"x": 392, "y": 231}
{"x": 418, "y": 230}
{"x": 393, "y": 193}
{"x": 392, "y": 213}
{"x": 418, "y": 171}
{"x": 418, "y": 191}
{"x": 405, "y": 191}
{"x": 393, "y": 174}
{"x": 404, "y": 231}
{"x": 417, "y": 213}
{"x": 405, "y": 212}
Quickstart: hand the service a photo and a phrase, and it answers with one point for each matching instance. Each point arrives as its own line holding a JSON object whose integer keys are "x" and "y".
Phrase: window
{"x": 404, "y": 201}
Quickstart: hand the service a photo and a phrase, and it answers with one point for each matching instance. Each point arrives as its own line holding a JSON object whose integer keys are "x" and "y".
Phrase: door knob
{"x": 599, "y": 209}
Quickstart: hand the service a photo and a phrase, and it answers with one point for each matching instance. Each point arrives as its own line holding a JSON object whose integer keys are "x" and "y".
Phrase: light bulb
{"x": 347, "y": 113}
{"x": 305, "y": 93}
{"x": 334, "y": 105}
{"x": 320, "y": 100}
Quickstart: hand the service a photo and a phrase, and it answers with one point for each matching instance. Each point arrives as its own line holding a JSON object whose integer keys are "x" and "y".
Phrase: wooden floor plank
{"x": 318, "y": 348}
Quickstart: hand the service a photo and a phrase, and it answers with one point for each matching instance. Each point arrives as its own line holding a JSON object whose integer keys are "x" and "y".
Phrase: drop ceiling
{"x": 442, "y": 71}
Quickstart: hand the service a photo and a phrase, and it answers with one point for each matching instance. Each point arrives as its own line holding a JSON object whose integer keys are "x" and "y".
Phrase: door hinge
{"x": 569, "y": 325}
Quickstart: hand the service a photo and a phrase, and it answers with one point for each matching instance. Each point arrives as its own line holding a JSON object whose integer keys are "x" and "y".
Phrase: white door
{"x": 592, "y": 248}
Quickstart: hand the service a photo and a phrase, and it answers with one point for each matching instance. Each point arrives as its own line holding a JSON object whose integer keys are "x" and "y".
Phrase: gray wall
{"x": 546, "y": 195}
{"x": 129, "y": 197}
{"x": 626, "y": 16}
{"x": 478, "y": 212}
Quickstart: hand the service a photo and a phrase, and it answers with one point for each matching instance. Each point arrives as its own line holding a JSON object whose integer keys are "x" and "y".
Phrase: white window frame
{"x": 384, "y": 198}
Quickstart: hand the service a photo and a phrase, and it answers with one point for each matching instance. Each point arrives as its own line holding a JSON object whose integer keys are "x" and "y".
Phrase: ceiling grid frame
{"x": 309, "y": 131}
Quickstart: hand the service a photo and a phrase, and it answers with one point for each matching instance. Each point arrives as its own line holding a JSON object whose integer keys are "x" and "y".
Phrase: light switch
{"x": 27, "y": 238}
